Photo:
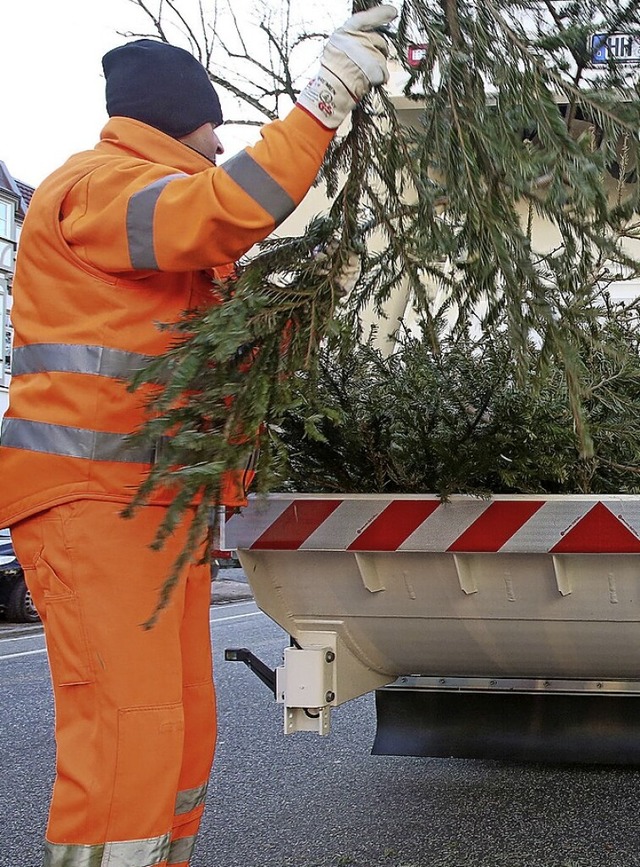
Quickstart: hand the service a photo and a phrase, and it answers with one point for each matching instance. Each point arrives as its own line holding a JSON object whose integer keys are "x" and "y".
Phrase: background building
{"x": 14, "y": 201}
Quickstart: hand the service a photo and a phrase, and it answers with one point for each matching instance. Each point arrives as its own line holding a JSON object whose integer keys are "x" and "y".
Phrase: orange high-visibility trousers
{"x": 134, "y": 707}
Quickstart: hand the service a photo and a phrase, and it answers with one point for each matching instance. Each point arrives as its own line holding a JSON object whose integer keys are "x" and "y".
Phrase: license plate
{"x": 616, "y": 47}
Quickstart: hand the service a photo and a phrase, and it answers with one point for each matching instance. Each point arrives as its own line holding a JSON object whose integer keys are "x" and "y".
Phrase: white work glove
{"x": 347, "y": 276}
{"x": 354, "y": 59}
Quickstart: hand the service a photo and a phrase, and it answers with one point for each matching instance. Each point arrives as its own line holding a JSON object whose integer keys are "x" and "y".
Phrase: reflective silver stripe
{"x": 181, "y": 850}
{"x": 258, "y": 184}
{"x": 66, "y": 855}
{"x": 74, "y": 442}
{"x": 189, "y": 799}
{"x": 137, "y": 853}
{"x": 140, "y": 211}
{"x": 77, "y": 358}
{"x": 128, "y": 853}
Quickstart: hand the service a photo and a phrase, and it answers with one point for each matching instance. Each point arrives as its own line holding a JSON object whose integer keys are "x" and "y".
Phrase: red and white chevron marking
{"x": 508, "y": 524}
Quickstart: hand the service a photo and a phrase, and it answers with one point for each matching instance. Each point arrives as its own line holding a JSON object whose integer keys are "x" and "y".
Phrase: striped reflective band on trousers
{"x": 132, "y": 853}
{"x": 129, "y": 853}
{"x": 189, "y": 799}
{"x": 243, "y": 169}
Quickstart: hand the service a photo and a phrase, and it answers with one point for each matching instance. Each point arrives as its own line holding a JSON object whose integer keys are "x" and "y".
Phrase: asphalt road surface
{"x": 307, "y": 801}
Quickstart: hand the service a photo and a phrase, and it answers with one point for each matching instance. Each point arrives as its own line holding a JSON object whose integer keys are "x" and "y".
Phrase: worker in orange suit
{"x": 119, "y": 239}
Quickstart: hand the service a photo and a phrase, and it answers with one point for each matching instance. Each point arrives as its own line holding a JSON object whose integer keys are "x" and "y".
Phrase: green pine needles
{"x": 499, "y": 197}
{"x": 460, "y": 419}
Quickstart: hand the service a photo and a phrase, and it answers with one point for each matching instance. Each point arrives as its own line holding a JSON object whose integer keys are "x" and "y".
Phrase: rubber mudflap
{"x": 593, "y": 728}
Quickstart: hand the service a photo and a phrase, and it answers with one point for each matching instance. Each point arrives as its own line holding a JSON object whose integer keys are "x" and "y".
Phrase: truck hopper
{"x": 506, "y": 627}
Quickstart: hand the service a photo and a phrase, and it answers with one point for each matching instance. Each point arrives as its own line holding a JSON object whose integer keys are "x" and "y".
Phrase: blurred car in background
{"x": 16, "y": 604}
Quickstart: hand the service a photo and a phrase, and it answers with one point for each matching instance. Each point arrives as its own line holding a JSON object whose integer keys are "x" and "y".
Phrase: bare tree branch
{"x": 259, "y": 79}
{"x": 157, "y": 20}
{"x": 287, "y": 82}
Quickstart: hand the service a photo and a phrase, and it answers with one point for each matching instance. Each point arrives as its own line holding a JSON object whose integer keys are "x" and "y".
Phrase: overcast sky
{"x": 53, "y": 89}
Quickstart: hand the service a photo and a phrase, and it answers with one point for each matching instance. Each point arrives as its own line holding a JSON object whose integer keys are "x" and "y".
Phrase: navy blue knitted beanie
{"x": 161, "y": 85}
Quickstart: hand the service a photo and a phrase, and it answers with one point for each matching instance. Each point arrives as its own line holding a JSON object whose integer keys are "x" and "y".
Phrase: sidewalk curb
{"x": 223, "y": 592}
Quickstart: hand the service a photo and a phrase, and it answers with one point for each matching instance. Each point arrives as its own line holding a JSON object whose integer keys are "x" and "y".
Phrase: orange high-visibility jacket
{"x": 117, "y": 240}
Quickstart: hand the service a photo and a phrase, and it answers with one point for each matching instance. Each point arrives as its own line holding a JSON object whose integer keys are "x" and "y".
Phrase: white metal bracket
{"x": 306, "y": 685}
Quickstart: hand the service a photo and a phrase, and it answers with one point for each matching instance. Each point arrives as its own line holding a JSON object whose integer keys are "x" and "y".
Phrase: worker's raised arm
{"x": 165, "y": 217}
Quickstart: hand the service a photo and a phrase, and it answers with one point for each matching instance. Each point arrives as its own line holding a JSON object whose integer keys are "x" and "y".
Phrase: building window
{"x": 6, "y": 220}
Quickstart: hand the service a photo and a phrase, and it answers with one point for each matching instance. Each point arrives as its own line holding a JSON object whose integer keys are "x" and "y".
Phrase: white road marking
{"x": 44, "y": 650}
{"x": 23, "y": 637}
{"x": 22, "y": 653}
{"x": 236, "y": 617}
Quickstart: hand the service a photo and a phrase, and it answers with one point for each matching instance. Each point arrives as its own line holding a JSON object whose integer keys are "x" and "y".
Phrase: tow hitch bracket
{"x": 305, "y": 684}
{"x": 257, "y": 666}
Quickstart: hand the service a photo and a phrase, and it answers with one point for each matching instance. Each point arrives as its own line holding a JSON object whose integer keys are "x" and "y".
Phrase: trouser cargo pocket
{"x": 67, "y": 642}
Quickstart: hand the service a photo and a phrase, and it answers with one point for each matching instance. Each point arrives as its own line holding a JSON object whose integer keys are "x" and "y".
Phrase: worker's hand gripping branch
{"x": 342, "y": 268}
{"x": 354, "y": 60}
